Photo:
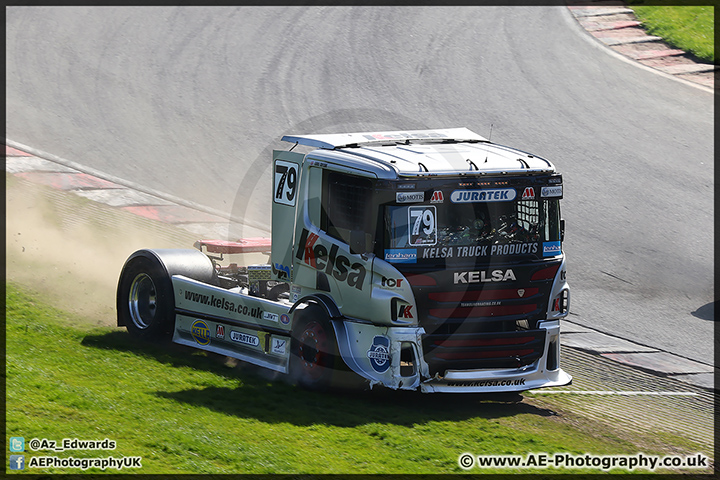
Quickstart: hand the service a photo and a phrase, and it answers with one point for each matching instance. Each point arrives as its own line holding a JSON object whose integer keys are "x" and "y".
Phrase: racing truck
{"x": 426, "y": 260}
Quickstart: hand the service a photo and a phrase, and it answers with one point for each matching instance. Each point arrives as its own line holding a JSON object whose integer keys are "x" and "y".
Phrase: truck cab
{"x": 439, "y": 252}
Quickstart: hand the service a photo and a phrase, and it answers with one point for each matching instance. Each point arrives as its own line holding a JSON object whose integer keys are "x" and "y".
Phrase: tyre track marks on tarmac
{"x": 662, "y": 418}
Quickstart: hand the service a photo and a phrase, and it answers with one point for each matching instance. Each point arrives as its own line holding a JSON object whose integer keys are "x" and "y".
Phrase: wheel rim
{"x": 312, "y": 350}
{"x": 143, "y": 301}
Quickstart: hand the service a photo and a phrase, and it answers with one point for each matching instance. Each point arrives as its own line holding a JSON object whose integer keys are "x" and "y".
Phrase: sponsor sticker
{"x": 528, "y": 193}
{"x": 391, "y": 282}
{"x": 555, "y": 191}
{"x": 220, "y": 331}
{"x": 278, "y": 346}
{"x": 437, "y": 197}
{"x": 244, "y": 338}
{"x": 551, "y": 249}
{"x": 284, "y": 319}
{"x": 404, "y": 311}
{"x": 282, "y": 271}
{"x": 479, "y": 196}
{"x": 409, "y": 197}
{"x": 401, "y": 255}
{"x": 271, "y": 317}
{"x": 379, "y": 353}
{"x": 200, "y": 332}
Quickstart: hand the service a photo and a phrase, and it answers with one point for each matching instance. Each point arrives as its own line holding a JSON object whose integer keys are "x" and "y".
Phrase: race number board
{"x": 286, "y": 182}
{"x": 422, "y": 225}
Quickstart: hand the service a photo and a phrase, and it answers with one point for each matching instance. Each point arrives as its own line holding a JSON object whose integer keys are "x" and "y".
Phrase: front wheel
{"x": 314, "y": 358}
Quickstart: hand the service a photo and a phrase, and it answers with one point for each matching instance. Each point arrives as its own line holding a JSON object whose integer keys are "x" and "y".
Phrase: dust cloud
{"x": 70, "y": 250}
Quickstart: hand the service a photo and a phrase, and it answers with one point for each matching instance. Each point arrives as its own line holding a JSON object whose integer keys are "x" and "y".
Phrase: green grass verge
{"x": 689, "y": 28}
{"x": 186, "y": 412}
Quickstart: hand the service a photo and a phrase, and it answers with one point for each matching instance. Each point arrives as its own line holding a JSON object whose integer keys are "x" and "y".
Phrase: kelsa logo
{"x": 200, "y": 332}
{"x": 379, "y": 353}
{"x": 333, "y": 264}
{"x": 484, "y": 277}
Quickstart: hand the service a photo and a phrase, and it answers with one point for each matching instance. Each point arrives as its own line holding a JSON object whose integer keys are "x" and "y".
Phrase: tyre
{"x": 314, "y": 358}
{"x": 145, "y": 295}
{"x": 145, "y": 301}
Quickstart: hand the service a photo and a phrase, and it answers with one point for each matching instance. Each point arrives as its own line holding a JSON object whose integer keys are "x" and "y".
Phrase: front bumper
{"x": 375, "y": 353}
{"x": 543, "y": 372}
{"x": 484, "y": 381}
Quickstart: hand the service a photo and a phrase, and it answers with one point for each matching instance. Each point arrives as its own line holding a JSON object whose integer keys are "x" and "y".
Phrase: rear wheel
{"x": 145, "y": 299}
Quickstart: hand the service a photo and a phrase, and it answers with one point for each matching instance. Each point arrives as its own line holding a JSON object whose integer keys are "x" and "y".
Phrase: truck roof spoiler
{"x": 341, "y": 140}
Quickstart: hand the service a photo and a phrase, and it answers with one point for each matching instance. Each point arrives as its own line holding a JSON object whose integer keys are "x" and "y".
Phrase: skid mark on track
{"x": 667, "y": 412}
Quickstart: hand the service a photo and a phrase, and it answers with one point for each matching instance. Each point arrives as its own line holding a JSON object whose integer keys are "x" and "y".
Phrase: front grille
{"x": 483, "y": 325}
{"x": 485, "y": 310}
{"x": 472, "y": 351}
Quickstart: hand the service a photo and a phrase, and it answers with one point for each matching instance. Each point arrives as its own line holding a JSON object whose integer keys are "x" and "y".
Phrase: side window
{"x": 346, "y": 202}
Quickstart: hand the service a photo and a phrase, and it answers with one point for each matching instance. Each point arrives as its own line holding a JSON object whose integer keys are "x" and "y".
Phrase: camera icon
{"x": 17, "y": 444}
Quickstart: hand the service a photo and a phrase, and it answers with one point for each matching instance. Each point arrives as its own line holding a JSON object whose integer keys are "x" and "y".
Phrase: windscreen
{"x": 469, "y": 224}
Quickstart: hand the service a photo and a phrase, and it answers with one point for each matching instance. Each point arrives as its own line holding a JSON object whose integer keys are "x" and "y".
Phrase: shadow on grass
{"x": 268, "y": 397}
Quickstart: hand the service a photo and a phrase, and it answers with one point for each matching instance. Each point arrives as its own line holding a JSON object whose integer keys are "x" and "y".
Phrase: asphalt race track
{"x": 190, "y": 101}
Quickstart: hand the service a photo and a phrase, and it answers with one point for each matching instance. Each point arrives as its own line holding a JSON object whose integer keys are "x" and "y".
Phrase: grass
{"x": 689, "y": 28}
{"x": 184, "y": 411}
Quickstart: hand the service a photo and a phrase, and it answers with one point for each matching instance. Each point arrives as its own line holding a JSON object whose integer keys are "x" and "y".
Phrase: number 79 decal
{"x": 422, "y": 223}
{"x": 286, "y": 177}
